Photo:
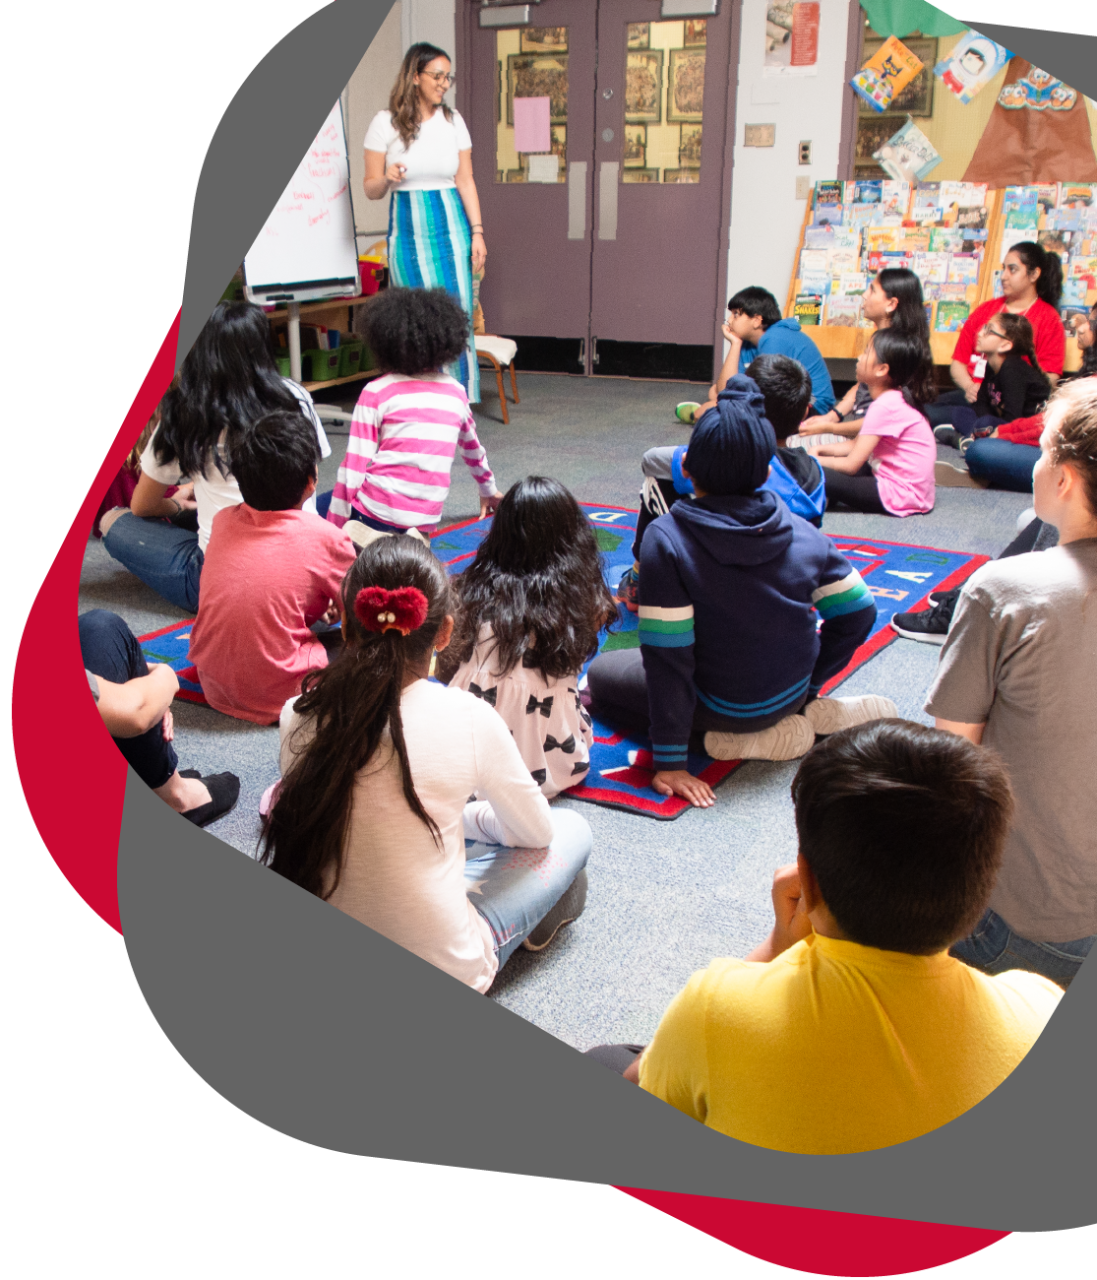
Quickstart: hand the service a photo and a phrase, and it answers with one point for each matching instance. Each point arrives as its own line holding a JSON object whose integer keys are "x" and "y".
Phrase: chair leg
{"x": 486, "y": 355}
{"x": 513, "y": 382}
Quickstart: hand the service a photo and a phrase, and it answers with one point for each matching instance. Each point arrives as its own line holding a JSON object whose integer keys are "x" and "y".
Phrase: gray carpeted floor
{"x": 665, "y": 897}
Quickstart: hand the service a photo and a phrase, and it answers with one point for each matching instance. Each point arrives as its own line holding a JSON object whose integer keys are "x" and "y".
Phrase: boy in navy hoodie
{"x": 793, "y": 473}
{"x": 731, "y": 588}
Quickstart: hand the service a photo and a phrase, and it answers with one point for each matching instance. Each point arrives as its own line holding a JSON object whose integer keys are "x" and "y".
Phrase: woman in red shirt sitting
{"x": 1032, "y": 284}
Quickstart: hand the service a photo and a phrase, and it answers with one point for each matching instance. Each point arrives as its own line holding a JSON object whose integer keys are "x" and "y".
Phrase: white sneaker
{"x": 955, "y": 475}
{"x": 828, "y": 715}
{"x": 789, "y": 739}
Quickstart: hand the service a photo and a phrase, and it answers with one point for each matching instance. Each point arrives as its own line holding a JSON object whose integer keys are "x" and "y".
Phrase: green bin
{"x": 282, "y": 361}
{"x": 350, "y": 357}
{"x": 323, "y": 365}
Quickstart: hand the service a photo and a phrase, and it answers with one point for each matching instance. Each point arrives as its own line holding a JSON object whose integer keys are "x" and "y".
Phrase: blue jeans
{"x": 993, "y": 947}
{"x": 164, "y": 557}
{"x": 1002, "y": 463}
{"x": 514, "y": 889}
{"x": 966, "y": 419}
{"x": 109, "y": 649}
{"x": 939, "y": 413}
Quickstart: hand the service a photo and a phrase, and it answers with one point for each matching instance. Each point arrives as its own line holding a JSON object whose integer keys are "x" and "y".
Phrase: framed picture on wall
{"x": 644, "y": 86}
{"x": 872, "y": 132}
{"x": 681, "y": 175}
{"x": 689, "y": 147}
{"x": 686, "y": 87}
{"x": 544, "y": 40}
{"x": 696, "y": 32}
{"x": 635, "y": 150}
{"x": 531, "y": 75}
{"x": 559, "y": 146}
{"x": 917, "y": 98}
{"x": 516, "y": 175}
{"x": 639, "y": 35}
{"x": 639, "y": 175}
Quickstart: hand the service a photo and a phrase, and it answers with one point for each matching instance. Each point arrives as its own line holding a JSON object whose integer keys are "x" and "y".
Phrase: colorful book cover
{"x": 1020, "y": 208}
{"x": 880, "y": 261}
{"x": 1070, "y": 314}
{"x": 888, "y": 72}
{"x": 974, "y": 61}
{"x": 817, "y": 283}
{"x": 963, "y": 268}
{"x": 828, "y": 192}
{"x": 882, "y": 239}
{"x": 827, "y": 215}
{"x": 868, "y": 192}
{"x": 1074, "y": 292}
{"x": 844, "y": 311}
{"x": 850, "y": 283}
{"x": 908, "y": 156}
{"x": 915, "y": 239}
{"x": 1077, "y": 195}
{"x": 950, "y": 316}
{"x": 931, "y": 268}
{"x": 973, "y": 218}
{"x": 1047, "y": 195}
{"x": 1084, "y": 269}
{"x": 808, "y": 308}
{"x": 945, "y": 240}
{"x": 895, "y": 197}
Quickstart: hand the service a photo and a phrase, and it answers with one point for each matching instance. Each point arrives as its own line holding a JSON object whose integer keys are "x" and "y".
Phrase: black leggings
{"x": 855, "y": 492}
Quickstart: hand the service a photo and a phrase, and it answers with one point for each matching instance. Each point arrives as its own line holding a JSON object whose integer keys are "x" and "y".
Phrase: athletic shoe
{"x": 929, "y": 625}
{"x": 935, "y": 597}
{"x": 224, "y": 790}
{"x": 687, "y": 411}
{"x": 946, "y": 434}
{"x": 789, "y": 739}
{"x": 829, "y": 715}
{"x": 628, "y": 590}
{"x": 568, "y": 908}
{"x": 955, "y": 475}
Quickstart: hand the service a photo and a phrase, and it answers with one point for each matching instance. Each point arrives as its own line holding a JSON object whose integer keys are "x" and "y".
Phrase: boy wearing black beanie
{"x": 732, "y": 585}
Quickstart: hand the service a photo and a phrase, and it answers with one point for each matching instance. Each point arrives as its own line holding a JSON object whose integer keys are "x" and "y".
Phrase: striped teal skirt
{"x": 430, "y": 247}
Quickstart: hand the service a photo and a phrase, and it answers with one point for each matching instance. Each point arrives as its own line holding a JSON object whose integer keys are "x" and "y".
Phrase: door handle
{"x": 593, "y": 351}
{"x": 577, "y": 200}
{"x": 607, "y": 199}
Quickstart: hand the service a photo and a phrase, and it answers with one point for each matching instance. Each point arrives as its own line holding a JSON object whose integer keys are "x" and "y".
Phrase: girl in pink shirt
{"x": 888, "y": 469}
{"x": 408, "y": 424}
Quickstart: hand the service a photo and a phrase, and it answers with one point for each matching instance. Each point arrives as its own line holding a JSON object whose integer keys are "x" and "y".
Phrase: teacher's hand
{"x": 479, "y": 251}
{"x": 394, "y": 174}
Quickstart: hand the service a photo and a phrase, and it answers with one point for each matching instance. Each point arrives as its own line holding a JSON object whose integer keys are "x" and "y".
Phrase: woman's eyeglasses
{"x": 441, "y": 77}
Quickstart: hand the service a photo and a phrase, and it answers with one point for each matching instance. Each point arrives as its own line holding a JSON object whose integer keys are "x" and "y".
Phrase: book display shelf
{"x": 952, "y": 235}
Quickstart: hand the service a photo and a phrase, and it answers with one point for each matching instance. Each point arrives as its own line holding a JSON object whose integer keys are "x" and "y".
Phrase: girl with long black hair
{"x": 893, "y": 300}
{"x": 227, "y": 381}
{"x": 378, "y": 763}
{"x": 532, "y": 603}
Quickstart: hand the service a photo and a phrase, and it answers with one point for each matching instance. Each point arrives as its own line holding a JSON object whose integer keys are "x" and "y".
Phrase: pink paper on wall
{"x": 531, "y": 125}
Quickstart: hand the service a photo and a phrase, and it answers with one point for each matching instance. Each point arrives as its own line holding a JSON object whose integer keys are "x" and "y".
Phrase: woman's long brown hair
{"x": 350, "y": 704}
{"x": 404, "y": 98}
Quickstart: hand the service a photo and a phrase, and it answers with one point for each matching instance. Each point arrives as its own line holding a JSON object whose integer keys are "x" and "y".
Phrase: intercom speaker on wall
{"x": 759, "y": 135}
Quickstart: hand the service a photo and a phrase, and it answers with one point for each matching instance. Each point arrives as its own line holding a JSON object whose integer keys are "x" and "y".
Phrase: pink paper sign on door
{"x": 531, "y": 125}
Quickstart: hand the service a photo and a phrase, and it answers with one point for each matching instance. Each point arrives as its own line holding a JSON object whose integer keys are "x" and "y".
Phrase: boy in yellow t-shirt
{"x": 851, "y": 1027}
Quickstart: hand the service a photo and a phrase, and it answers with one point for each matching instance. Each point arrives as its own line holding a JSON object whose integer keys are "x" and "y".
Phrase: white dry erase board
{"x": 306, "y": 248}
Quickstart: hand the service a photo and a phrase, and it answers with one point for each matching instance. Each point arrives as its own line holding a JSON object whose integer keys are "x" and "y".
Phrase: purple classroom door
{"x": 537, "y": 278}
{"x": 629, "y": 243}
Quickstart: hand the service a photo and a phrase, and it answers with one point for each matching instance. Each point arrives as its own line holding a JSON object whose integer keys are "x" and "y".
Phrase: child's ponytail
{"x": 395, "y": 598}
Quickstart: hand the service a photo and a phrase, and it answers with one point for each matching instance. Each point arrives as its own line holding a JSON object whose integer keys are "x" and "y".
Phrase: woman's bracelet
{"x": 178, "y": 506}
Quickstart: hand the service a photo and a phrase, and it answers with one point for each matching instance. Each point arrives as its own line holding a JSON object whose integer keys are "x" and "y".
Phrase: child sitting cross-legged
{"x": 271, "y": 570}
{"x": 731, "y": 588}
{"x": 531, "y": 605}
{"x": 378, "y": 764}
{"x": 888, "y": 469}
{"x": 851, "y": 1027}
{"x": 793, "y": 473}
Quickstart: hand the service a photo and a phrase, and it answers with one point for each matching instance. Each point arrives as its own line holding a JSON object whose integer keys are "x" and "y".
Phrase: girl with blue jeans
{"x": 228, "y": 380}
{"x": 373, "y": 814}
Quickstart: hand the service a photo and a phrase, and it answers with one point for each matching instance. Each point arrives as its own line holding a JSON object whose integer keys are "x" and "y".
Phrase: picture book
{"x": 826, "y": 215}
{"x": 973, "y": 218}
{"x": 974, "y": 61}
{"x": 882, "y": 239}
{"x": 950, "y": 316}
{"x": 915, "y": 239}
{"x": 1084, "y": 269}
{"x": 931, "y": 268}
{"x": 877, "y": 261}
{"x": 1020, "y": 208}
{"x": 887, "y": 73}
{"x": 1074, "y": 292}
{"x": 869, "y": 192}
{"x": 963, "y": 268}
{"x": 1047, "y": 195}
{"x": 850, "y": 283}
{"x": 818, "y": 283}
{"x": 829, "y": 192}
{"x": 945, "y": 240}
{"x": 807, "y": 308}
{"x": 895, "y": 197}
{"x": 1070, "y": 314}
{"x": 1077, "y": 195}
{"x": 908, "y": 155}
{"x": 844, "y": 310}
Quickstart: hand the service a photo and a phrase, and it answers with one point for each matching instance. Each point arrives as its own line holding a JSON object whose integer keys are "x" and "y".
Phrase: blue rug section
{"x": 172, "y": 645}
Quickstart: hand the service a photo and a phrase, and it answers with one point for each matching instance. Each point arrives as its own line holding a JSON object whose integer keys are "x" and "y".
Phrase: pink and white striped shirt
{"x": 403, "y": 436}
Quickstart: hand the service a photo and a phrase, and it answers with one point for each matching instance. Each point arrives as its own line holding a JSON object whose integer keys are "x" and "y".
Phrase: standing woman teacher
{"x": 420, "y": 152}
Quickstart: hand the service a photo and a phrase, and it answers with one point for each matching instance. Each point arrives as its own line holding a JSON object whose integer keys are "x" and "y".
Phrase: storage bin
{"x": 350, "y": 356}
{"x": 322, "y": 365}
{"x": 282, "y": 361}
{"x": 370, "y": 271}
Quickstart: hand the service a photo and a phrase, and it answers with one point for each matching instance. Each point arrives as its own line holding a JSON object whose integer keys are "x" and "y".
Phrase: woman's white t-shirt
{"x": 431, "y": 160}
{"x": 216, "y": 488}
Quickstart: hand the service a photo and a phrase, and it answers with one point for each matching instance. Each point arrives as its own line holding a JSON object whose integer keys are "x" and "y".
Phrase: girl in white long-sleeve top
{"x": 378, "y": 765}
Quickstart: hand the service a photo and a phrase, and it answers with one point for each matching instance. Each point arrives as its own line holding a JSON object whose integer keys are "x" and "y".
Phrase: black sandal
{"x": 224, "y": 790}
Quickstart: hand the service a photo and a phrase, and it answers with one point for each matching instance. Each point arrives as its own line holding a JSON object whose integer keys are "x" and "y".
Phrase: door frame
{"x": 468, "y": 17}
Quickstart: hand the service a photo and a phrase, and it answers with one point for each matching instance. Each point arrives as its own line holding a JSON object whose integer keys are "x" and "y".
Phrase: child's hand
{"x": 488, "y": 505}
{"x": 332, "y": 614}
{"x": 167, "y": 726}
{"x": 971, "y": 393}
{"x": 816, "y": 426}
{"x": 184, "y": 495}
{"x": 791, "y": 923}
{"x": 678, "y": 782}
{"x": 730, "y": 334}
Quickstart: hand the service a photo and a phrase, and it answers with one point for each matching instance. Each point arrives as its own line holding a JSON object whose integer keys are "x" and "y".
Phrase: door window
{"x": 664, "y": 101}
{"x": 532, "y": 63}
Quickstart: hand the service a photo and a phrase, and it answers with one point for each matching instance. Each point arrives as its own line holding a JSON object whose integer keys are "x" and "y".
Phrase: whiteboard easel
{"x": 307, "y": 250}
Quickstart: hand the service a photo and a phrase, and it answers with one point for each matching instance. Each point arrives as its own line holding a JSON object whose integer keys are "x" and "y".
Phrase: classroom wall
{"x": 766, "y": 217}
{"x": 367, "y": 92}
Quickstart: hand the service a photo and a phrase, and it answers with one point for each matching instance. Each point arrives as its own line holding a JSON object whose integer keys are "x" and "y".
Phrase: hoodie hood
{"x": 789, "y": 322}
{"x": 736, "y": 529}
